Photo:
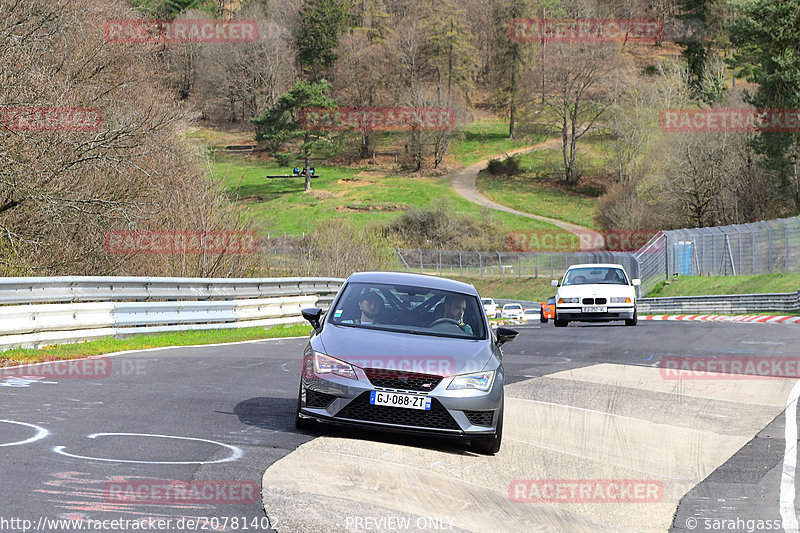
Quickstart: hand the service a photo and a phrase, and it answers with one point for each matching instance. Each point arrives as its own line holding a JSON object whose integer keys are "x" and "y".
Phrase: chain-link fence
{"x": 753, "y": 248}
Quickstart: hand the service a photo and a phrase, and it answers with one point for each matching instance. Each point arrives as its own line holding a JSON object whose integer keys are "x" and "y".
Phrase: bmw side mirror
{"x": 636, "y": 282}
{"x": 505, "y": 335}
{"x": 313, "y": 314}
{"x": 554, "y": 283}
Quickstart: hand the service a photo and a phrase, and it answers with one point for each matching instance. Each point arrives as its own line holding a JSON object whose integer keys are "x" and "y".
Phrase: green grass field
{"x": 524, "y": 288}
{"x": 487, "y": 138}
{"x": 110, "y": 345}
{"x": 705, "y": 285}
{"x": 363, "y": 196}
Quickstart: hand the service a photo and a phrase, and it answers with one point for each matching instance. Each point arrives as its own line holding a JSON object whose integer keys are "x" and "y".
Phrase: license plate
{"x": 393, "y": 399}
{"x": 594, "y": 309}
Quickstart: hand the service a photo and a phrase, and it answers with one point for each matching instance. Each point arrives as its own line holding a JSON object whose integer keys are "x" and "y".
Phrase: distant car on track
{"x": 491, "y": 308}
{"x": 595, "y": 293}
{"x": 548, "y": 309}
{"x": 530, "y": 314}
{"x": 407, "y": 353}
{"x": 513, "y": 311}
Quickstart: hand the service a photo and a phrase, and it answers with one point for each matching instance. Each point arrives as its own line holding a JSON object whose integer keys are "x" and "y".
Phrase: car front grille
{"x": 598, "y": 301}
{"x": 402, "y": 380}
{"x": 480, "y": 418}
{"x": 318, "y": 400}
{"x": 360, "y": 409}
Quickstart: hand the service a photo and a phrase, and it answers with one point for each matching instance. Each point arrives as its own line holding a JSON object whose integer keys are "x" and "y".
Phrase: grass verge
{"x": 59, "y": 352}
{"x": 524, "y": 288}
{"x": 705, "y": 285}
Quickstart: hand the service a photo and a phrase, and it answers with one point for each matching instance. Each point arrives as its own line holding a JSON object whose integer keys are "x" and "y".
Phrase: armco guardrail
{"x": 784, "y": 302}
{"x": 42, "y": 311}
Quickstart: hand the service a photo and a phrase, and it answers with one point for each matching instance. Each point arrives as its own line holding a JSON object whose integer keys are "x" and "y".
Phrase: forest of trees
{"x": 61, "y": 190}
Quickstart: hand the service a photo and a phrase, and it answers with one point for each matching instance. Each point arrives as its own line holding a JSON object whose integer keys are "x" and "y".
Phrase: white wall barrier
{"x": 90, "y": 308}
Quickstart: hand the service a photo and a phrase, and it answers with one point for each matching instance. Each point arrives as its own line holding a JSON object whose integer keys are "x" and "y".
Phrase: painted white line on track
{"x": 40, "y": 433}
{"x": 788, "y": 474}
{"x": 236, "y": 453}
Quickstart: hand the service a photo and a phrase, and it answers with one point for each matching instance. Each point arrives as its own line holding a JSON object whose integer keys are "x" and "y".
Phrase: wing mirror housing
{"x": 554, "y": 283}
{"x": 505, "y": 335}
{"x": 313, "y": 315}
{"x": 636, "y": 282}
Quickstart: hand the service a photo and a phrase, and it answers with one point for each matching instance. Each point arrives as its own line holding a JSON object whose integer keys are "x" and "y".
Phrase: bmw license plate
{"x": 594, "y": 309}
{"x": 393, "y": 399}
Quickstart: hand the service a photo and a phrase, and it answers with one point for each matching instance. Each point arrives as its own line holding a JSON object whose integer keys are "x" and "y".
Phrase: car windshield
{"x": 513, "y": 306}
{"x": 486, "y": 301}
{"x": 595, "y": 275}
{"x": 409, "y": 309}
{"x": 551, "y": 300}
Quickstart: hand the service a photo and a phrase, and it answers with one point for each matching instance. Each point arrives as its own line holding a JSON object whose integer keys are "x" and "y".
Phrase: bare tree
{"x": 62, "y": 189}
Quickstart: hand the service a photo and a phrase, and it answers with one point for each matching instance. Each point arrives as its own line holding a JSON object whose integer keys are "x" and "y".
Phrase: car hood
{"x": 594, "y": 290}
{"x": 423, "y": 353}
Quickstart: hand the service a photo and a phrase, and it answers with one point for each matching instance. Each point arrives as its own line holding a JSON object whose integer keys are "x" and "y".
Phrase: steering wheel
{"x": 445, "y": 321}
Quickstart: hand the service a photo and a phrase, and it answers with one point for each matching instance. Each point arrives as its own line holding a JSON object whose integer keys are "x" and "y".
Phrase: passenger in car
{"x": 371, "y": 306}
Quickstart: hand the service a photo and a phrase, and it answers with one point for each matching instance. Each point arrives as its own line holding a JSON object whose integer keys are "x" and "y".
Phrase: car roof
{"x": 597, "y": 265}
{"x": 415, "y": 280}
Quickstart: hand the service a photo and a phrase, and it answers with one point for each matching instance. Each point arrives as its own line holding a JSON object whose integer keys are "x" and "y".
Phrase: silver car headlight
{"x": 325, "y": 364}
{"x": 569, "y": 300}
{"x": 481, "y": 381}
{"x": 620, "y": 300}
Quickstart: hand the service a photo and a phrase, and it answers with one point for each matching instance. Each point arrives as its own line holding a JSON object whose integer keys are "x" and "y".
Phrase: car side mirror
{"x": 554, "y": 283}
{"x": 313, "y": 314}
{"x": 505, "y": 335}
{"x": 636, "y": 282}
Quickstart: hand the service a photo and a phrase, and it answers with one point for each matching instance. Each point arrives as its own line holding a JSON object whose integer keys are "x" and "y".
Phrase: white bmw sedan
{"x": 595, "y": 293}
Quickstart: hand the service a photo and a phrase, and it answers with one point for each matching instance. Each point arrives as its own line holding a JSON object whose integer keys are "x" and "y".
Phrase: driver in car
{"x": 454, "y": 307}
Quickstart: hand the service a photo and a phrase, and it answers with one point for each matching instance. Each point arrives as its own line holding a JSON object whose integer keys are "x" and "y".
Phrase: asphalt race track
{"x": 587, "y": 404}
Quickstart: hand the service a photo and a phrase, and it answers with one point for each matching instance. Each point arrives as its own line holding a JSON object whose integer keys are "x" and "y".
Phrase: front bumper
{"x": 453, "y": 413}
{"x": 576, "y": 314}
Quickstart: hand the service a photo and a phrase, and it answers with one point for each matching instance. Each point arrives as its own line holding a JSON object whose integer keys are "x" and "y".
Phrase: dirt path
{"x": 464, "y": 183}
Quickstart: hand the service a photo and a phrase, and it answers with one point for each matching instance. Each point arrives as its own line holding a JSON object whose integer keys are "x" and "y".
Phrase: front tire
{"x": 632, "y": 321}
{"x": 490, "y": 446}
{"x": 560, "y": 323}
{"x": 542, "y": 318}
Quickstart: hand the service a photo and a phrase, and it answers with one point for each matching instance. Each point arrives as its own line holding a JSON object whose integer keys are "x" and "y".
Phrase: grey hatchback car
{"x": 407, "y": 353}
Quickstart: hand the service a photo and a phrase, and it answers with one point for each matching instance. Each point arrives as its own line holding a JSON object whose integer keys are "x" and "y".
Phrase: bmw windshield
{"x": 409, "y": 309}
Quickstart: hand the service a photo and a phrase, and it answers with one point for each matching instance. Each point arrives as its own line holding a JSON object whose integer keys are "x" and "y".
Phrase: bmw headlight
{"x": 325, "y": 364}
{"x": 481, "y": 381}
{"x": 568, "y": 300}
{"x": 620, "y": 300}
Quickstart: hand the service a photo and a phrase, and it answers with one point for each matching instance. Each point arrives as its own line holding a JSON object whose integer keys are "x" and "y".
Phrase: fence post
{"x": 440, "y": 263}
{"x": 420, "y": 261}
{"x": 460, "y": 264}
{"x": 480, "y": 263}
{"x": 769, "y": 236}
{"x": 785, "y": 245}
{"x": 519, "y": 265}
{"x": 535, "y": 265}
{"x": 500, "y": 264}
